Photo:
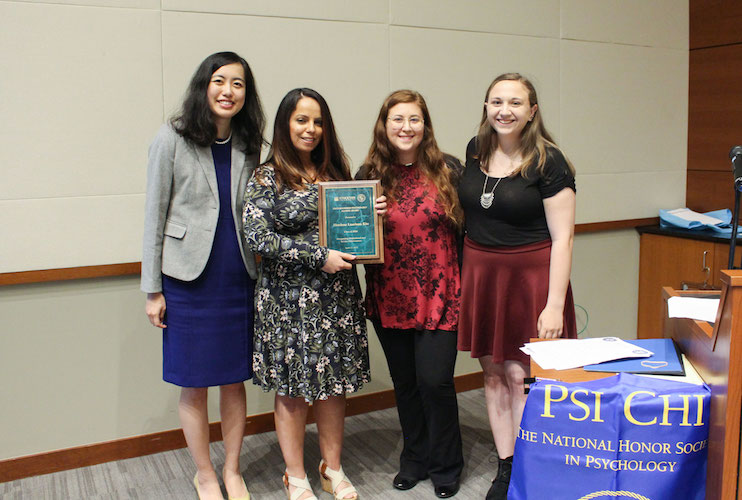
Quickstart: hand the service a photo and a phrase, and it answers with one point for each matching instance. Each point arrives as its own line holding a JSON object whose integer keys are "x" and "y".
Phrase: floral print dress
{"x": 310, "y": 328}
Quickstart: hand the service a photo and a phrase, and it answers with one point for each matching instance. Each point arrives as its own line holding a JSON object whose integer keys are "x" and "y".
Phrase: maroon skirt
{"x": 503, "y": 291}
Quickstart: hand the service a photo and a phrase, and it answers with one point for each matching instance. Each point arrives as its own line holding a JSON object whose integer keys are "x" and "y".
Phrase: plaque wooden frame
{"x": 325, "y": 223}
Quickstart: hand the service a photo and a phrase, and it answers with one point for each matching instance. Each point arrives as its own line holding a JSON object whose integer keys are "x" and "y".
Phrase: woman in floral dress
{"x": 310, "y": 327}
{"x": 413, "y": 298}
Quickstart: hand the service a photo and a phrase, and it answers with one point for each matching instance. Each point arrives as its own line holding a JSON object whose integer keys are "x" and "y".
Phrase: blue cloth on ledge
{"x": 667, "y": 219}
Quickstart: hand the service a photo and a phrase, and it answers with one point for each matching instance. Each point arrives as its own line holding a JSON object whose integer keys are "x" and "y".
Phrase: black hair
{"x": 328, "y": 157}
{"x": 195, "y": 121}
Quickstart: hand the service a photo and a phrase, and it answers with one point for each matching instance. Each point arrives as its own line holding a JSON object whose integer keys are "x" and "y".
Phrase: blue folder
{"x": 666, "y": 360}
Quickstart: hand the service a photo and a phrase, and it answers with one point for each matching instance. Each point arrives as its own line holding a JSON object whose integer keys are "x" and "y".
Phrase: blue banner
{"x": 622, "y": 437}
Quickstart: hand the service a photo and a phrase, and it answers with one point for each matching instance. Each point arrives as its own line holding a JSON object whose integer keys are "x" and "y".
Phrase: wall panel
{"x": 455, "y": 85}
{"x": 78, "y": 117}
{"x": 131, "y": 4}
{"x": 606, "y": 261}
{"x": 490, "y": 16}
{"x": 710, "y": 190}
{"x": 48, "y": 233}
{"x": 634, "y": 195}
{"x": 104, "y": 368}
{"x": 82, "y": 112}
{"x": 714, "y": 23}
{"x": 714, "y": 106}
{"x": 372, "y": 11}
{"x": 637, "y": 127}
{"x": 657, "y": 23}
{"x": 714, "y": 102}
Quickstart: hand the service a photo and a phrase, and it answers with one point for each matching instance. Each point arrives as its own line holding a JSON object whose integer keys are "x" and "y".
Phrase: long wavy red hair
{"x": 382, "y": 155}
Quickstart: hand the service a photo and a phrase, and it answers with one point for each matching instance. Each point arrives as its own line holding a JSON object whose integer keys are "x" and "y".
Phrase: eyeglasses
{"x": 398, "y": 122}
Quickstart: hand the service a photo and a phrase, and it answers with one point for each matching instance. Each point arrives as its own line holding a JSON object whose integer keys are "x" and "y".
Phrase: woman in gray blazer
{"x": 196, "y": 270}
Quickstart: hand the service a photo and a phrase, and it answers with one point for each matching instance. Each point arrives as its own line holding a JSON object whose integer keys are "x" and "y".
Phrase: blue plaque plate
{"x": 348, "y": 221}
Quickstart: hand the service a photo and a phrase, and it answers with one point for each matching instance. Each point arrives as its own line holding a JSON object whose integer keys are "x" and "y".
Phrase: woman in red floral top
{"x": 413, "y": 298}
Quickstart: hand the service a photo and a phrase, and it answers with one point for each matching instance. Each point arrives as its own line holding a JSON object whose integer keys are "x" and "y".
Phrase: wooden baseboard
{"x": 137, "y": 446}
{"x": 70, "y": 273}
{"x": 616, "y": 225}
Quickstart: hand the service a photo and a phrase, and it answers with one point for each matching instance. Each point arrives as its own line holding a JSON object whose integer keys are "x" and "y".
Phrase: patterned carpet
{"x": 370, "y": 459}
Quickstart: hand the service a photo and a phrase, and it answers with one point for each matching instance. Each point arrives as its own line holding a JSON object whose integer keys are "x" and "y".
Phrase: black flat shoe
{"x": 447, "y": 490}
{"x": 404, "y": 483}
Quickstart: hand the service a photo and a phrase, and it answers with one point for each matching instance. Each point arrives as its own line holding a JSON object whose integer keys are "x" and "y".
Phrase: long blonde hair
{"x": 534, "y": 138}
{"x": 430, "y": 159}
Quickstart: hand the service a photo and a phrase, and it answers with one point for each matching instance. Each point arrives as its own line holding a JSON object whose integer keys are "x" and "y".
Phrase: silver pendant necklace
{"x": 487, "y": 199}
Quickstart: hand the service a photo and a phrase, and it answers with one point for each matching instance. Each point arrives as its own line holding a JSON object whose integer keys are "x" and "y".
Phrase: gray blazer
{"x": 182, "y": 208}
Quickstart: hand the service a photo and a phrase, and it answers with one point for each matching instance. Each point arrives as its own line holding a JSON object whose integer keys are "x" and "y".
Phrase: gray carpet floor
{"x": 370, "y": 459}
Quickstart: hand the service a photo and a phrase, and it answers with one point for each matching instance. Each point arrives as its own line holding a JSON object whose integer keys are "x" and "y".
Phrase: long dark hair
{"x": 195, "y": 121}
{"x": 534, "y": 138}
{"x": 328, "y": 157}
{"x": 381, "y": 156}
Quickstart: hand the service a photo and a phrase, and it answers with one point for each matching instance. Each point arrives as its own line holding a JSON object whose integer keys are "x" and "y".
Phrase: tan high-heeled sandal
{"x": 331, "y": 479}
{"x": 195, "y": 485}
{"x": 246, "y": 497}
{"x": 300, "y": 485}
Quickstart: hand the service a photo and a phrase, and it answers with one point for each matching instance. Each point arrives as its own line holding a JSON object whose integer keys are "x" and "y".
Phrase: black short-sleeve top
{"x": 516, "y": 216}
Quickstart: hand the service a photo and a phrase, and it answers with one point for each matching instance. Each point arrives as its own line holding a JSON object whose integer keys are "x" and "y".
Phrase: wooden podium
{"x": 716, "y": 353}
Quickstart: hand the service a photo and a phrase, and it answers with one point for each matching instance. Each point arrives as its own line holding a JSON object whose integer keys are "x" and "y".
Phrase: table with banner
{"x": 628, "y": 436}
{"x": 624, "y": 436}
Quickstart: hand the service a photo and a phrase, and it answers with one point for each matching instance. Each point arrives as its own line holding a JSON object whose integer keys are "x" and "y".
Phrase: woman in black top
{"x": 518, "y": 196}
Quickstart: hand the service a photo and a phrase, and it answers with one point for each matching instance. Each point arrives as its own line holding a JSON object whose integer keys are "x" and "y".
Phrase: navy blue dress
{"x": 208, "y": 339}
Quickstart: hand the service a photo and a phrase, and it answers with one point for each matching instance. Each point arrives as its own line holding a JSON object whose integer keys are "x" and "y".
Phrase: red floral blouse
{"x": 418, "y": 285}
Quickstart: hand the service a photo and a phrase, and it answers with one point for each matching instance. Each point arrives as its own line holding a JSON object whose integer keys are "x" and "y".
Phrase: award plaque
{"x": 348, "y": 221}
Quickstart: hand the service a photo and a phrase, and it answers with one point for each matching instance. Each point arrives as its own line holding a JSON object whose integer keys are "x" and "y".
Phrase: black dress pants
{"x": 421, "y": 364}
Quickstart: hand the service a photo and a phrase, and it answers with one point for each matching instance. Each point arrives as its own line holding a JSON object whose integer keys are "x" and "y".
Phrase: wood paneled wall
{"x": 714, "y": 101}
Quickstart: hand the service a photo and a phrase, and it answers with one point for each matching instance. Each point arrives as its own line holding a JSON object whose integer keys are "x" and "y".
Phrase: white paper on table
{"x": 693, "y": 308}
{"x": 574, "y": 353}
{"x": 690, "y": 215}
